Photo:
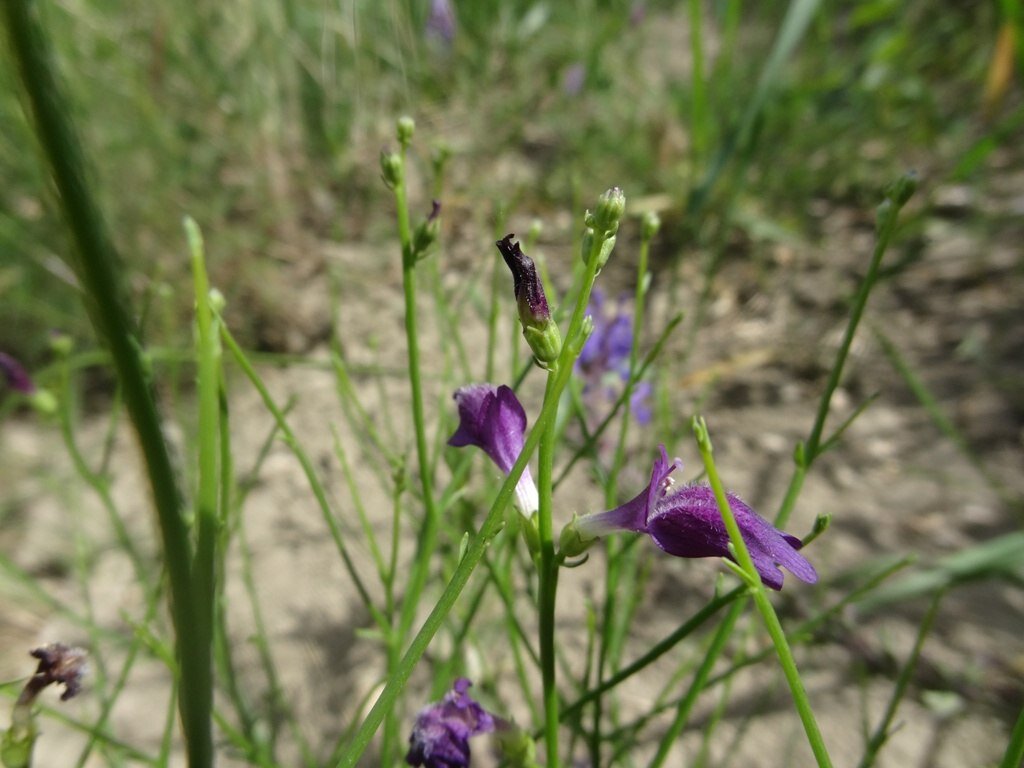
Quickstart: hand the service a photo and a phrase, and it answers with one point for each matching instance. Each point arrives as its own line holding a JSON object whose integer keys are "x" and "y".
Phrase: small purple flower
{"x": 59, "y": 664}
{"x": 603, "y": 363}
{"x": 441, "y": 22}
{"x": 16, "y": 375}
{"x": 687, "y": 523}
{"x": 440, "y": 736}
{"x": 493, "y": 419}
{"x": 573, "y": 79}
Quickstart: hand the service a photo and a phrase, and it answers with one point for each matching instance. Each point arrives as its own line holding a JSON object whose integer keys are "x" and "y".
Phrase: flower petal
{"x": 689, "y": 524}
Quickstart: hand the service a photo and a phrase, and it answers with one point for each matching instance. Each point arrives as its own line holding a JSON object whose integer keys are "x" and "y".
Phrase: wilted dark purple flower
{"x": 440, "y": 736}
{"x": 603, "y": 363}
{"x": 540, "y": 331}
{"x": 59, "y": 664}
{"x": 529, "y": 291}
{"x": 441, "y": 22}
{"x": 493, "y": 419}
{"x": 686, "y": 522}
{"x": 16, "y": 375}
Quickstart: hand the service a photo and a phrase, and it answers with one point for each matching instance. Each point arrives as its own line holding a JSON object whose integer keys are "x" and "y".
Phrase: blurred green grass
{"x": 264, "y": 121}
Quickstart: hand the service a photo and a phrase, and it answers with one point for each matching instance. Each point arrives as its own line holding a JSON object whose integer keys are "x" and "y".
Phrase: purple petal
{"x": 688, "y": 524}
{"x": 634, "y": 514}
{"x": 492, "y": 419}
{"x": 440, "y": 736}
{"x": 16, "y": 375}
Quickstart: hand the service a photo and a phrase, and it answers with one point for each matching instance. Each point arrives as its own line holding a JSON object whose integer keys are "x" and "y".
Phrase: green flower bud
{"x": 610, "y": 207}
{"x": 427, "y": 232}
{"x": 587, "y": 242}
{"x": 404, "y": 130}
{"x": 391, "y": 168}
{"x": 43, "y": 401}
{"x": 649, "y": 226}
{"x": 216, "y": 300}
{"x": 439, "y": 158}
{"x": 516, "y": 747}
{"x": 61, "y": 343}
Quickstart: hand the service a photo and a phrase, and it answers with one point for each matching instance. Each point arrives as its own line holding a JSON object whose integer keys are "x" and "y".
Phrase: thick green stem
{"x": 99, "y": 272}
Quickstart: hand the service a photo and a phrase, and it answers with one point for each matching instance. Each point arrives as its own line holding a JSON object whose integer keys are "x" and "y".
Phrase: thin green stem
{"x": 764, "y": 605}
{"x": 492, "y": 524}
{"x": 99, "y": 271}
{"x": 307, "y": 467}
{"x": 887, "y": 216}
{"x": 656, "y": 652}
{"x": 428, "y": 531}
{"x": 882, "y": 732}
{"x": 548, "y": 576}
{"x": 208, "y": 357}
{"x": 697, "y": 685}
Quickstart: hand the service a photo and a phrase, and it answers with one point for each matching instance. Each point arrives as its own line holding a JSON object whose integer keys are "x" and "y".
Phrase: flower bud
{"x": 404, "y": 130}
{"x": 649, "y": 226}
{"x": 391, "y": 168}
{"x": 15, "y": 374}
{"x": 610, "y": 207}
{"x": 540, "y": 331}
{"x": 216, "y": 300}
{"x": 427, "y": 232}
{"x": 61, "y": 344}
{"x": 43, "y": 401}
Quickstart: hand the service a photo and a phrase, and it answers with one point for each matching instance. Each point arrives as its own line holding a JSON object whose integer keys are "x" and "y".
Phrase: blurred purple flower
{"x": 637, "y": 13}
{"x": 59, "y": 664}
{"x": 441, "y": 23}
{"x": 16, "y": 375}
{"x": 573, "y": 79}
{"x": 492, "y": 419}
{"x": 687, "y": 523}
{"x": 440, "y": 736}
{"x": 603, "y": 363}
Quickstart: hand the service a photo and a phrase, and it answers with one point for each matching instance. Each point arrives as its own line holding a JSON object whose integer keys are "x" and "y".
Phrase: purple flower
{"x": 441, "y": 22}
{"x": 493, "y": 419}
{"x": 573, "y": 79}
{"x": 686, "y": 522}
{"x": 539, "y": 329}
{"x": 16, "y": 375}
{"x": 59, "y": 664}
{"x": 603, "y": 363}
{"x": 440, "y": 736}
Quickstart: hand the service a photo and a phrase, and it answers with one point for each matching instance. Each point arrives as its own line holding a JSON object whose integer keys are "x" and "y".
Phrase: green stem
{"x": 764, "y": 605}
{"x": 883, "y": 732}
{"x": 1014, "y": 756}
{"x": 208, "y": 356}
{"x": 488, "y": 530}
{"x": 428, "y": 531}
{"x": 886, "y": 219}
{"x": 656, "y": 652}
{"x": 697, "y": 685}
{"x": 99, "y": 272}
{"x": 548, "y": 584}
